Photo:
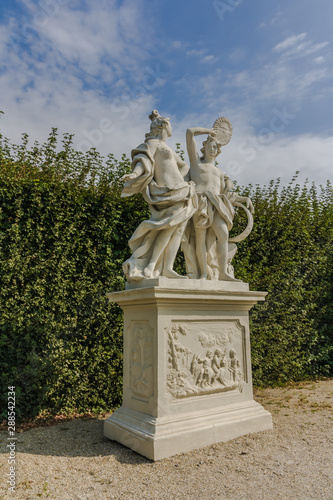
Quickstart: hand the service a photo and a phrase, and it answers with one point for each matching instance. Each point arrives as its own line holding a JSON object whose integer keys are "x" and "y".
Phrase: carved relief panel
{"x": 206, "y": 357}
{"x": 141, "y": 359}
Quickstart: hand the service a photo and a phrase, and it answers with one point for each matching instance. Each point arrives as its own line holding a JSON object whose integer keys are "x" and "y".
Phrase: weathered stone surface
{"x": 207, "y": 246}
{"x": 190, "y": 205}
{"x": 187, "y": 361}
{"x": 187, "y": 366}
{"x": 160, "y": 175}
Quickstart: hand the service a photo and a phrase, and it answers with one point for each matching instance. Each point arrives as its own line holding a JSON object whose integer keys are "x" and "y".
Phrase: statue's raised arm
{"x": 207, "y": 247}
{"x": 191, "y": 143}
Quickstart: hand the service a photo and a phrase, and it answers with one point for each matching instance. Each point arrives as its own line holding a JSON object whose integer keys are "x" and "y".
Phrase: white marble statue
{"x": 158, "y": 173}
{"x": 208, "y": 249}
{"x": 197, "y": 213}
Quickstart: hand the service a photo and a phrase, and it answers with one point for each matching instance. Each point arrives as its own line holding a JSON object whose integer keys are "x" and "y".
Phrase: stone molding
{"x": 187, "y": 367}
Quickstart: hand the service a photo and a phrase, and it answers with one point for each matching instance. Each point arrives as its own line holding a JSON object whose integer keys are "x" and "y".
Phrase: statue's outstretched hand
{"x": 129, "y": 177}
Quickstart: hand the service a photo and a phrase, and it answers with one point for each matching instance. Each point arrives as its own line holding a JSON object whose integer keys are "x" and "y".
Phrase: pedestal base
{"x": 187, "y": 366}
{"x": 157, "y": 438}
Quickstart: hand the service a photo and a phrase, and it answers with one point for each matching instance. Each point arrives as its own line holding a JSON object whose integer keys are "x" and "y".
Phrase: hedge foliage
{"x": 289, "y": 254}
{"x": 63, "y": 238}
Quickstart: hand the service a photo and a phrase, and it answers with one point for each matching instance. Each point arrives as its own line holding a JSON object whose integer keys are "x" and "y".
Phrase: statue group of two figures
{"x": 192, "y": 206}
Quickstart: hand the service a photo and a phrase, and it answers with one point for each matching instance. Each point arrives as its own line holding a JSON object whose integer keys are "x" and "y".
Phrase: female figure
{"x": 158, "y": 173}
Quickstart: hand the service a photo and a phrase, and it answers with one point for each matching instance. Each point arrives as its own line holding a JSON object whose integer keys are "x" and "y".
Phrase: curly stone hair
{"x": 158, "y": 122}
{"x": 210, "y": 139}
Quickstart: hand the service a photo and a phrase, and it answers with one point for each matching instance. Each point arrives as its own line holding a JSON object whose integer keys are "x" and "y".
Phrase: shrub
{"x": 289, "y": 255}
{"x": 63, "y": 237}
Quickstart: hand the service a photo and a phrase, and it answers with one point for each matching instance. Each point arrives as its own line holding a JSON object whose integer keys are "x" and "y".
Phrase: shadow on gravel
{"x": 75, "y": 438}
{"x": 308, "y": 406}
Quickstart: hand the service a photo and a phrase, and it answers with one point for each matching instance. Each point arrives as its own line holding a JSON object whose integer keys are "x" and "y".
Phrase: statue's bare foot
{"x": 148, "y": 271}
{"x": 170, "y": 273}
{"x": 228, "y": 277}
{"x": 203, "y": 277}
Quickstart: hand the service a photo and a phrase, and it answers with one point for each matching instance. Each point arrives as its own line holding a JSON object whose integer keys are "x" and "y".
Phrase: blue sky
{"x": 97, "y": 69}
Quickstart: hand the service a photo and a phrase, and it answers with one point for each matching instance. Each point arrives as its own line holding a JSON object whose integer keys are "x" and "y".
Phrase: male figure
{"x": 158, "y": 173}
{"x": 214, "y": 217}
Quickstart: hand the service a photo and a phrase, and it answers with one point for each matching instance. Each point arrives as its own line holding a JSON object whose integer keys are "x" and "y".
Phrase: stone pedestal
{"x": 187, "y": 366}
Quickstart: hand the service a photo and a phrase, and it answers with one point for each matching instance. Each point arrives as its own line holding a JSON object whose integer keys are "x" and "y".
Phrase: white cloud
{"x": 89, "y": 73}
{"x": 298, "y": 46}
{"x": 237, "y": 55}
{"x": 276, "y": 18}
{"x": 72, "y": 56}
{"x": 286, "y": 77}
{"x": 289, "y": 42}
{"x": 254, "y": 159}
{"x": 208, "y": 59}
{"x": 195, "y": 53}
{"x": 202, "y": 55}
{"x": 315, "y": 47}
{"x": 176, "y": 44}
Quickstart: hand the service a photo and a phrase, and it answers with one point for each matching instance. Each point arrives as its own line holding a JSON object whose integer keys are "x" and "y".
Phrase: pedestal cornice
{"x": 165, "y": 291}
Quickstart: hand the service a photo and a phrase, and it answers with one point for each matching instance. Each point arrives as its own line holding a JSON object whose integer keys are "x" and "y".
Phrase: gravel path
{"x": 72, "y": 460}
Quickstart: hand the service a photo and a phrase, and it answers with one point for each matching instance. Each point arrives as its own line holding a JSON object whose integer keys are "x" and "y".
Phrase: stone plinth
{"x": 187, "y": 366}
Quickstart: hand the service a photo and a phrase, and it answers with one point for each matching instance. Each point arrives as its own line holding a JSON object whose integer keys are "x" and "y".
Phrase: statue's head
{"x": 211, "y": 148}
{"x": 158, "y": 124}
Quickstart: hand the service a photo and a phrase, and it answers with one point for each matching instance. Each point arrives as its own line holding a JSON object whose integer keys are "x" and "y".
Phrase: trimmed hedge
{"x": 289, "y": 254}
{"x": 63, "y": 237}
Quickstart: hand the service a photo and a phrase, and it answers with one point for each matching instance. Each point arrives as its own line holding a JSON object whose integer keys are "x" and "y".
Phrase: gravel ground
{"x": 72, "y": 460}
